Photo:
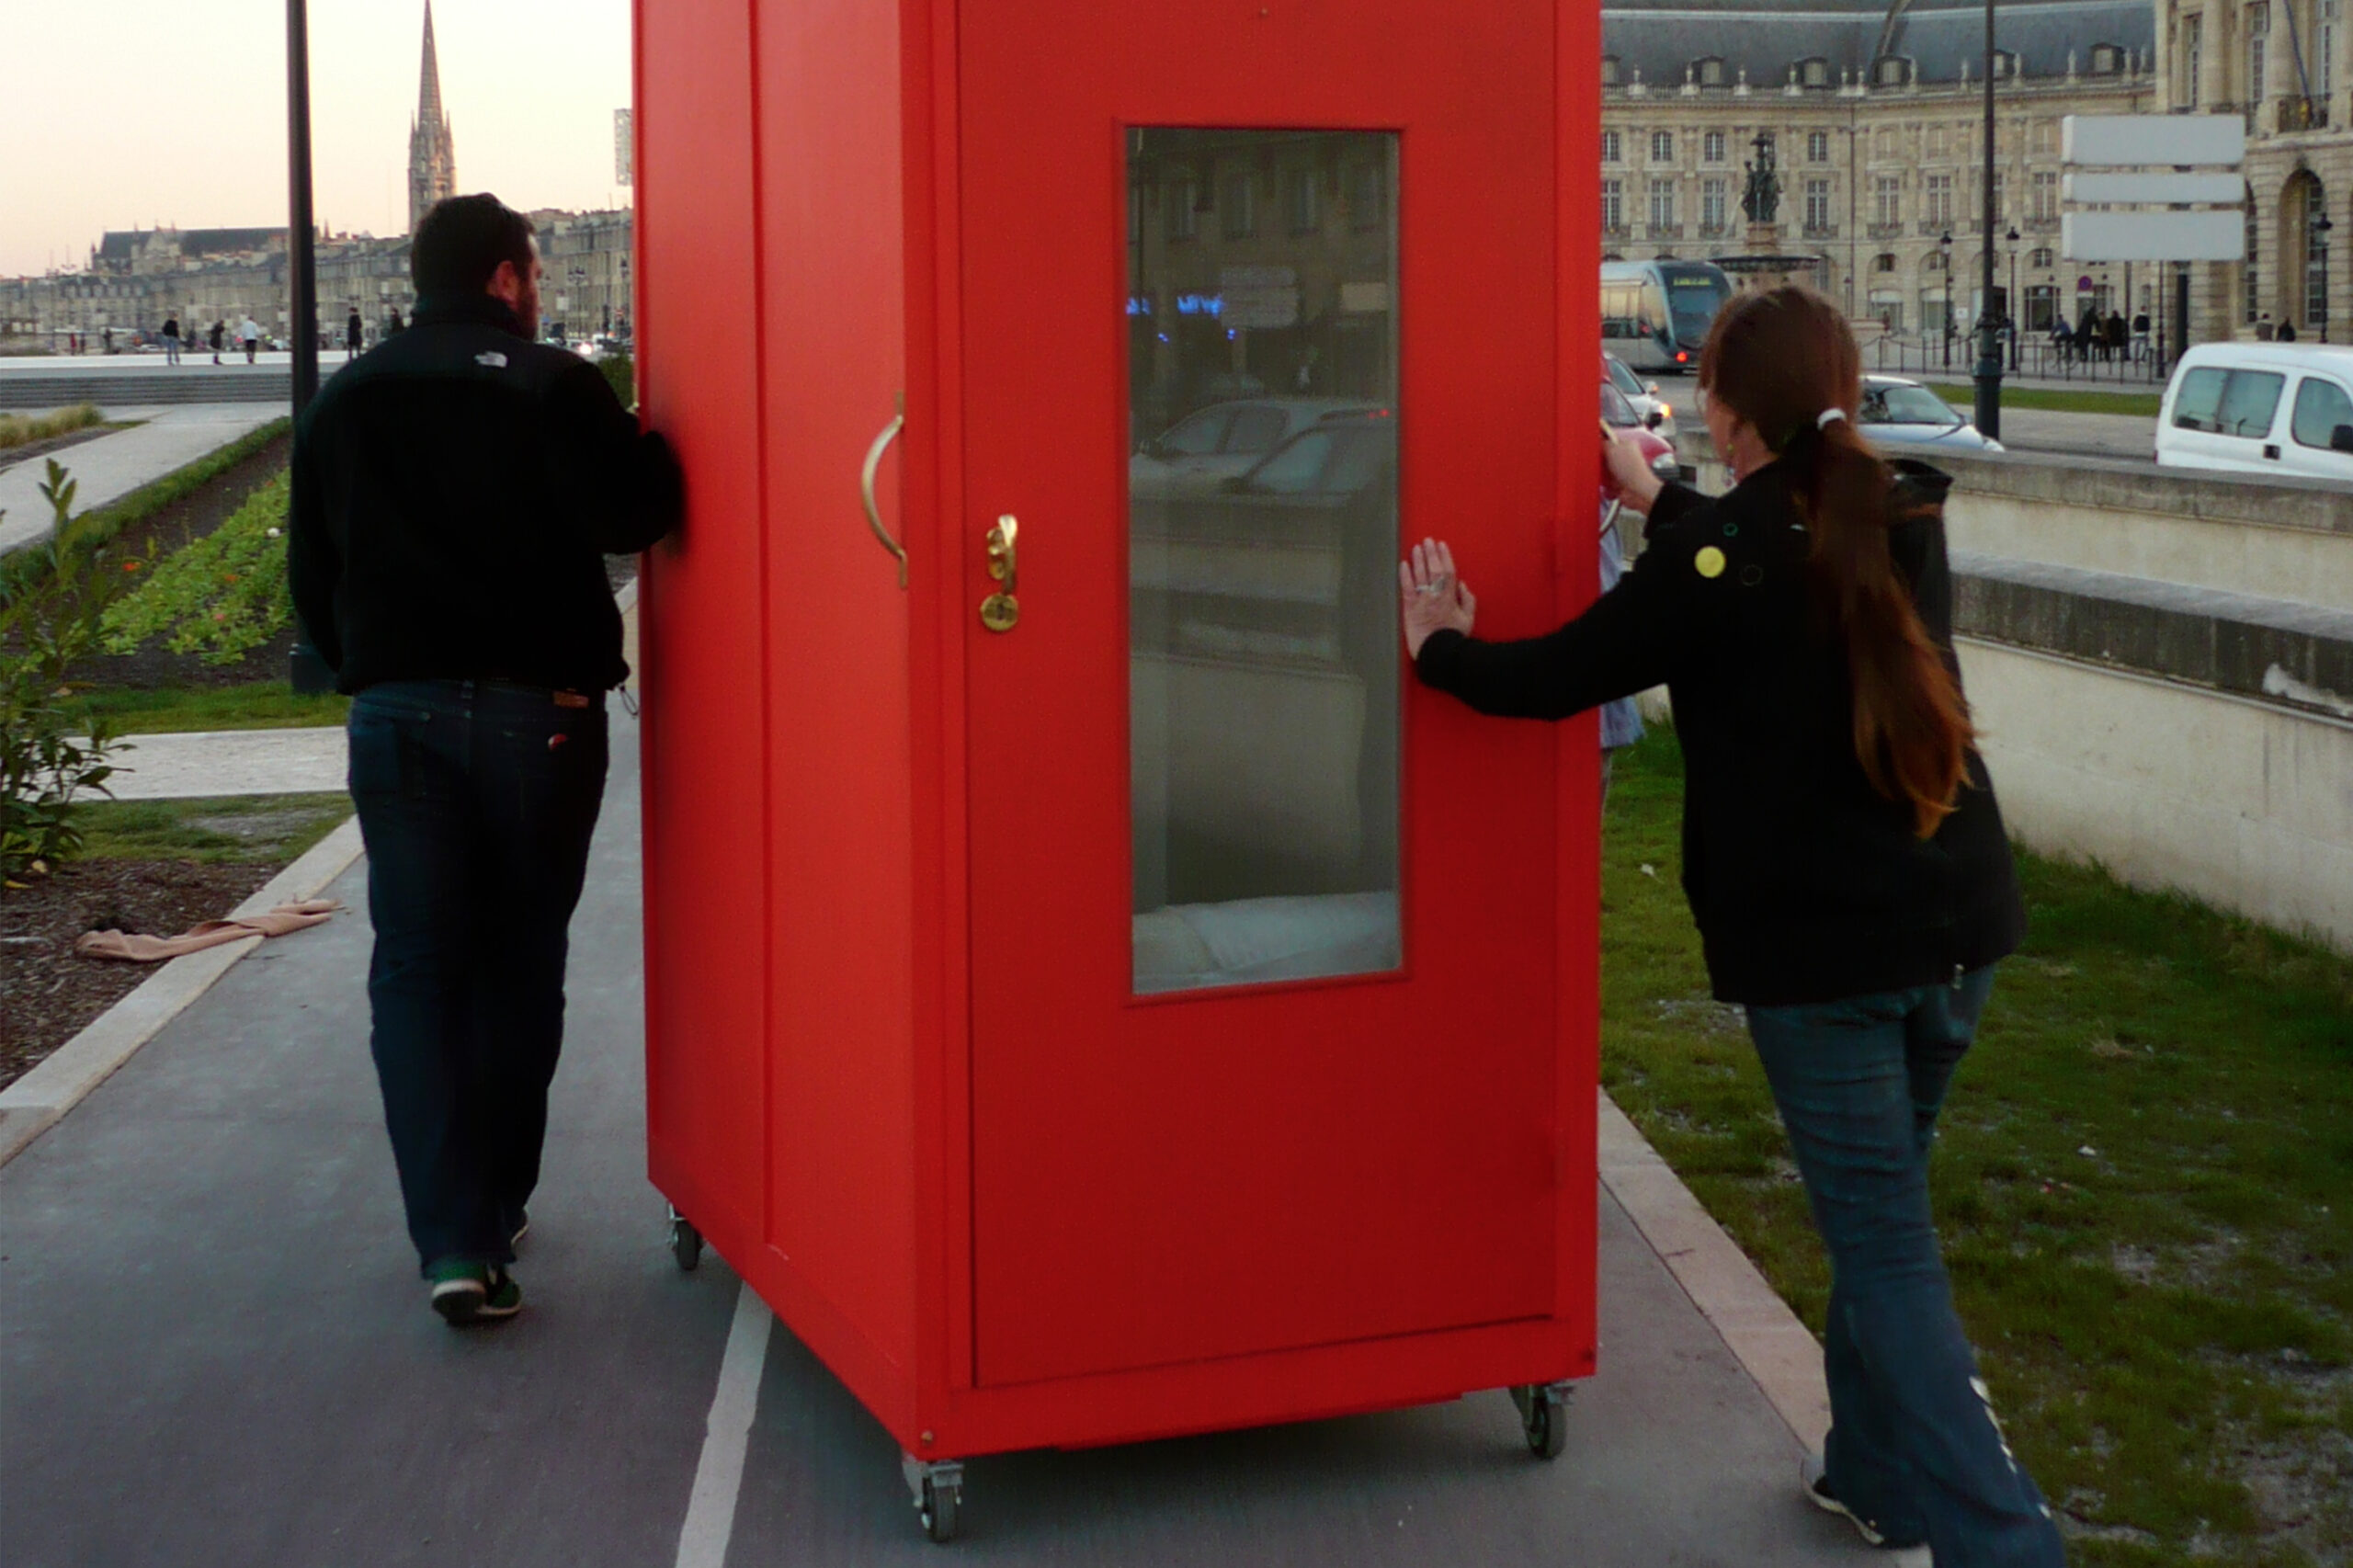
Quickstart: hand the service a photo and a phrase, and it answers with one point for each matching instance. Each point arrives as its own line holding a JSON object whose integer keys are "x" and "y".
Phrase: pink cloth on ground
{"x": 209, "y": 933}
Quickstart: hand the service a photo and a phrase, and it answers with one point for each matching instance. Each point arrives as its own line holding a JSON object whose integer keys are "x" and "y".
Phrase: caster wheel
{"x": 686, "y": 1242}
{"x": 1543, "y": 1409}
{"x": 937, "y": 1509}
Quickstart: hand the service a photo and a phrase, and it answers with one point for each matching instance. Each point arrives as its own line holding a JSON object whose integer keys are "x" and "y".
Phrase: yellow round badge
{"x": 1708, "y": 562}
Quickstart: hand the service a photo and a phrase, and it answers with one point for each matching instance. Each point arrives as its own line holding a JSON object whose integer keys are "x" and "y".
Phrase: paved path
{"x": 113, "y": 466}
{"x": 216, "y": 1351}
{"x": 200, "y": 765}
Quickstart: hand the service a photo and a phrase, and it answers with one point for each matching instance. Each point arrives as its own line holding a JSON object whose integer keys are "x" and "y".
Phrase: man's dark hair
{"x": 462, "y": 242}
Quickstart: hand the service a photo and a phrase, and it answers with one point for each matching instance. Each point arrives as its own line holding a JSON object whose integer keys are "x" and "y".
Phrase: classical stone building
{"x": 432, "y": 155}
{"x": 1875, "y": 113}
{"x": 2287, "y": 66}
{"x": 138, "y": 278}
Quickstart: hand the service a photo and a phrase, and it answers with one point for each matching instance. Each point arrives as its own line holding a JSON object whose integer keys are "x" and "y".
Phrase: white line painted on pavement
{"x": 727, "y": 1434}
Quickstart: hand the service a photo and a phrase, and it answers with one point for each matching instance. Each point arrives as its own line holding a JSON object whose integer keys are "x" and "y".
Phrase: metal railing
{"x": 1902, "y": 354}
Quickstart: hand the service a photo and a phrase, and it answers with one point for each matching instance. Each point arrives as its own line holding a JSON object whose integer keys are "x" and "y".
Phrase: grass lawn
{"x": 2144, "y": 1184}
{"x": 248, "y": 828}
{"x": 262, "y": 705}
{"x": 2055, "y": 400}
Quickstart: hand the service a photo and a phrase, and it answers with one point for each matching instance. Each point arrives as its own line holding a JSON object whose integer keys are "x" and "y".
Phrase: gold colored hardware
{"x": 866, "y": 490}
{"x": 1002, "y": 611}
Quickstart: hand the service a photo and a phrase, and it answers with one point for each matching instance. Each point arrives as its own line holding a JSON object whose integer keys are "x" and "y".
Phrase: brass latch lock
{"x": 1001, "y": 611}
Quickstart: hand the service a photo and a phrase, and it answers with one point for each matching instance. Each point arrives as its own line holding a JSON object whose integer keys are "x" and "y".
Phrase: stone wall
{"x": 2160, "y": 665}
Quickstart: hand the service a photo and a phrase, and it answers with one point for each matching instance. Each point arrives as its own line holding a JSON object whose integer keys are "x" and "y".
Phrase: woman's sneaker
{"x": 1813, "y": 1475}
{"x": 465, "y": 1291}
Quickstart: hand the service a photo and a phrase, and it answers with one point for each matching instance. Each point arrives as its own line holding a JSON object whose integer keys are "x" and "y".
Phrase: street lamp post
{"x": 2321, "y": 226}
{"x": 1944, "y": 265}
{"x": 1989, "y": 338}
{"x": 2013, "y": 311}
{"x": 307, "y": 671}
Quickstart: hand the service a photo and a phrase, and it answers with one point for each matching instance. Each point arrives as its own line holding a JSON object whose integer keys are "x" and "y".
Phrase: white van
{"x": 2260, "y": 408}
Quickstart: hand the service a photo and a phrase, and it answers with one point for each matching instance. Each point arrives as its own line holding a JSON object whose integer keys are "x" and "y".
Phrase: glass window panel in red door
{"x": 1263, "y": 665}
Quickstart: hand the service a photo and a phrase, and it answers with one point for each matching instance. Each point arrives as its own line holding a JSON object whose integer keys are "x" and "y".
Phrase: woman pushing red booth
{"x": 1055, "y": 382}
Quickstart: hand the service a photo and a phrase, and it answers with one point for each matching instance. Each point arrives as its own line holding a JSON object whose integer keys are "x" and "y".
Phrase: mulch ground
{"x": 48, "y": 994}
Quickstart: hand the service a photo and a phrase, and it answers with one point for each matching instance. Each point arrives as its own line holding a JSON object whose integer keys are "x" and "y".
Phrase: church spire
{"x": 432, "y": 155}
{"x": 429, "y": 90}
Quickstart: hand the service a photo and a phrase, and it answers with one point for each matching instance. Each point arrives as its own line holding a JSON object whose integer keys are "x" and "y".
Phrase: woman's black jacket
{"x": 1807, "y": 884}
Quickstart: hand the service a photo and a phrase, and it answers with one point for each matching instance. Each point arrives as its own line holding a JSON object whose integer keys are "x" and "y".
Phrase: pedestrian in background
{"x": 353, "y": 330}
{"x": 2263, "y": 328}
{"x": 453, "y": 501}
{"x": 1621, "y": 720}
{"x": 2287, "y": 332}
{"x": 392, "y": 326}
{"x": 217, "y": 334}
{"x": 171, "y": 340}
{"x": 1843, "y": 854}
{"x": 249, "y": 333}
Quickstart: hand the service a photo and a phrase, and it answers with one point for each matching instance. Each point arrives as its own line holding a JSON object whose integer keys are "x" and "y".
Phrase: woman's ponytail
{"x": 1910, "y": 728}
{"x": 1786, "y": 362}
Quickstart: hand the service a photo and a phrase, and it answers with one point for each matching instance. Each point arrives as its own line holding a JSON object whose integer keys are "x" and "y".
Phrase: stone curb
{"x": 1779, "y": 1352}
{"x": 38, "y": 1100}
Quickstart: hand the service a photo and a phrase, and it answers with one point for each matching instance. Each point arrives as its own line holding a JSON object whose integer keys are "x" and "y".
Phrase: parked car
{"x": 1656, "y": 412}
{"x": 1656, "y": 451}
{"x": 2260, "y": 408}
{"x": 1898, "y": 412}
{"x": 1205, "y": 448}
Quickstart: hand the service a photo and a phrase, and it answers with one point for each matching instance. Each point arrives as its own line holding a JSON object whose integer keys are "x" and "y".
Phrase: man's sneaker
{"x": 1813, "y": 1474}
{"x": 465, "y": 1291}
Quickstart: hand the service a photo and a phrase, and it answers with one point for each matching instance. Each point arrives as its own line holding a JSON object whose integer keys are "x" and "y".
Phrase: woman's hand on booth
{"x": 1626, "y": 475}
{"x": 1434, "y": 598}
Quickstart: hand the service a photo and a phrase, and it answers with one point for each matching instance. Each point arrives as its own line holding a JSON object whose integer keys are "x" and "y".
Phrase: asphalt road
{"x": 214, "y": 1350}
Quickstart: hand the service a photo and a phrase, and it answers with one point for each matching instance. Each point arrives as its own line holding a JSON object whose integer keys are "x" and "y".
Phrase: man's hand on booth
{"x": 1434, "y": 598}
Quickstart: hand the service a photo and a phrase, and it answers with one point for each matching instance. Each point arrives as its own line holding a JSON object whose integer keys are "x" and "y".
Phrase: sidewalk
{"x": 216, "y": 1351}
{"x": 200, "y": 765}
{"x": 113, "y": 466}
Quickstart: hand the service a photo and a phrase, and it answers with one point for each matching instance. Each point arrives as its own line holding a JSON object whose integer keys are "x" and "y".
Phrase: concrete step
{"x": 243, "y": 383}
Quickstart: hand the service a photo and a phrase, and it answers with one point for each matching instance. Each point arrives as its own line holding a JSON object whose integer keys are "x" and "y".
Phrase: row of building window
{"x": 1888, "y": 71}
{"x": 1937, "y": 209}
{"x": 1299, "y": 204}
{"x": 2256, "y": 26}
{"x": 2042, "y": 137}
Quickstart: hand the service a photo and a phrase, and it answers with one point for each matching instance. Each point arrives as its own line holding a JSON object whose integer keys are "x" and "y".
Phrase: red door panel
{"x": 1204, "y": 1173}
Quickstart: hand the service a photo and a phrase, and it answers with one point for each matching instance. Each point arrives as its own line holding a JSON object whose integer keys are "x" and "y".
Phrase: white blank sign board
{"x": 2153, "y": 189}
{"x": 2151, "y": 236}
{"x": 2140, "y": 141}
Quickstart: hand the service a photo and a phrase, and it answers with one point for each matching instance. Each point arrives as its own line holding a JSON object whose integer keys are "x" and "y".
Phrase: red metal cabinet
{"x": 1158, "y": 1014}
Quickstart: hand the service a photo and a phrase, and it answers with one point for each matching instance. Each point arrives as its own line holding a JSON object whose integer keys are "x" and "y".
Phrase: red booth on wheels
{"x": 1093, "y": 993}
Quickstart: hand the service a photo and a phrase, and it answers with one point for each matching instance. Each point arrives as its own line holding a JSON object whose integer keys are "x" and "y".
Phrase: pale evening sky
{"x": 161, "y": 112}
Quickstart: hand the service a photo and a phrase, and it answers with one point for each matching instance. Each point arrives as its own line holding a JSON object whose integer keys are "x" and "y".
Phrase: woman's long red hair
{"x": 1778, "y": 359}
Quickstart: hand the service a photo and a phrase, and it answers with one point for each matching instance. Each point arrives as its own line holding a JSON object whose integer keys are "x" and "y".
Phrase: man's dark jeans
{"x": 1913, "y": 1447}
{"x": 477, "y": 800}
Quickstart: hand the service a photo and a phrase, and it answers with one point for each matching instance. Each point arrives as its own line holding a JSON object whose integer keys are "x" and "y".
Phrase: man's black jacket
{"x": 1807, "y": 884}
{"x": 455, "y": 492}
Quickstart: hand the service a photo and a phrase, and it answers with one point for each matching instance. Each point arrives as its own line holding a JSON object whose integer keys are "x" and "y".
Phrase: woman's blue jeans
{"x": 477, "y": 800}
{"x": 1914, "y": 1444}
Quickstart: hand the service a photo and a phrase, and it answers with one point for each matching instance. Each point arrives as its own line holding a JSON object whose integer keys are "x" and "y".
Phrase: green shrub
{"x": 48, "y": 625}
{"x": 622, "y": 372}
{"x": 220, "y": 596}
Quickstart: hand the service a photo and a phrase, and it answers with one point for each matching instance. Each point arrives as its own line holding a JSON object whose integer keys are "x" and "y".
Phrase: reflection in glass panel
{"x": 1263, "y": 668}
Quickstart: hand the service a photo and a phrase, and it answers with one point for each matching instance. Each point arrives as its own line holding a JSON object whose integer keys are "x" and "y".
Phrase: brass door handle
{"x": 1001, "y": 610}
{"x": 866, "y": 492}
